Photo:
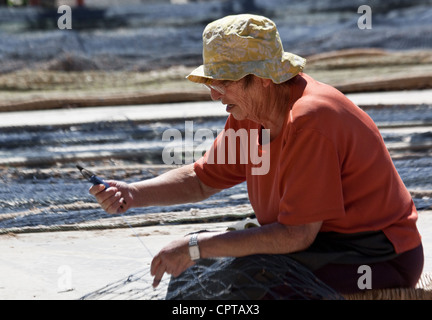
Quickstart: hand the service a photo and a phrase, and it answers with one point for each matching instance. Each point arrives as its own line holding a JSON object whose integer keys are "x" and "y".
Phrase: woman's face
{"x": 242, "y": 101}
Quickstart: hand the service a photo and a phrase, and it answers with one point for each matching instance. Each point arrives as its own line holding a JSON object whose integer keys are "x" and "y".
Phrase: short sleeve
{"x": 222, "y": 166}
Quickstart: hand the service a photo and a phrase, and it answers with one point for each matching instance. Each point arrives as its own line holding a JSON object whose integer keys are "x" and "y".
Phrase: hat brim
{"x": 278, "y": 70}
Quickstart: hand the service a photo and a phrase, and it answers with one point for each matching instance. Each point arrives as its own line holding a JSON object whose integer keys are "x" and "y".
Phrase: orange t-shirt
{"x": 329, "y": 163}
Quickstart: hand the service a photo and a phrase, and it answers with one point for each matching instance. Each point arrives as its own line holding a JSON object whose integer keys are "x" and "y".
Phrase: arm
{"x": 274, "y": 238}
{"x": 179, "y": 185}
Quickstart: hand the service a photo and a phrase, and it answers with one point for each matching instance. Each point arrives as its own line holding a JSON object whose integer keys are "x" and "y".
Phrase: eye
{"x": 218, "y": 88}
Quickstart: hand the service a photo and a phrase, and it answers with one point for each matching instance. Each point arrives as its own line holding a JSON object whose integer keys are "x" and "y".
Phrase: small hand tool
{"x": 93, "y": 178}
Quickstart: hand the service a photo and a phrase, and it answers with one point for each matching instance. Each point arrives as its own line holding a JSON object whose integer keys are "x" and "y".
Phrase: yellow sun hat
{"x": 238, "y": 45}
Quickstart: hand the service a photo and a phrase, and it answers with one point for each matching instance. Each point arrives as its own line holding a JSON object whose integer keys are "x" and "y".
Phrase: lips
{"x": 229, "y": 107}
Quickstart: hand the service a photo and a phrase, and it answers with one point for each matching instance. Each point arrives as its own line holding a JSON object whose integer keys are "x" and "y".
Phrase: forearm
{"x": 269, "y": 239}
{"x": 176, "y": 186}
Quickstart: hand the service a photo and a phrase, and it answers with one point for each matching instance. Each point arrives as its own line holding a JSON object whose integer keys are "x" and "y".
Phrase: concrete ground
{"x": 69, "y": 265}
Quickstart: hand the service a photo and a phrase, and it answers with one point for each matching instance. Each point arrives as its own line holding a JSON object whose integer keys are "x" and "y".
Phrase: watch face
{"x": 194, "y": 252}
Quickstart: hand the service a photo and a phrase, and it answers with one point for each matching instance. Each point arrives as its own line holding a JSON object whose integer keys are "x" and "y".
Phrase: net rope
{"x": 274, "y": 277}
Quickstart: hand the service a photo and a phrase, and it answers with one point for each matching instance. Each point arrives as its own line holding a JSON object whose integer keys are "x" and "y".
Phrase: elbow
{"x": 305, "y": 242}
{"x": 206, "y": 191}
{"x": 303, "y": 236}
{"x": 202, "y": 191}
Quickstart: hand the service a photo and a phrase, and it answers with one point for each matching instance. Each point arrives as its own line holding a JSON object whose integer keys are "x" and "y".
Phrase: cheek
{"x": 250, "y": 107}
{"x": 241, "y": 99}
{"x": 246, "y": 104}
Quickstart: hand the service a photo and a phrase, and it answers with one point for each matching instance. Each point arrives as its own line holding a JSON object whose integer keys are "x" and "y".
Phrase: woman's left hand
{"x": 173, "y": 259}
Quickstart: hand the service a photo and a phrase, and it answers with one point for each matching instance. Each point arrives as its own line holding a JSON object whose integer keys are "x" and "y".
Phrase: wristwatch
{"x": 193, "y": 247}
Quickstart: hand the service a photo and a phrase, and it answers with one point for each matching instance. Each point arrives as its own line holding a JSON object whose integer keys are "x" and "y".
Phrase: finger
{"x": 104, "y": 197}
{"x": 157, "y": 269}
{"x": 101, "y": 193}
{"x": 113, "y": 203}
{"x": 96, "y": 189}
{"x": 122, "y": 207}
{"x": 154, "y": 265}
{"x": 158, "y": 275}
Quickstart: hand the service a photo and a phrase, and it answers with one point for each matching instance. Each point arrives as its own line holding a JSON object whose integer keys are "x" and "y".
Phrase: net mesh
{"x": 255, "y": 277}
{"x": 136, "y": 286}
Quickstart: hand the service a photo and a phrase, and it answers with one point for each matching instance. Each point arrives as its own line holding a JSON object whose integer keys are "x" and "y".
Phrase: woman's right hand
{"x": 118, "y": 198}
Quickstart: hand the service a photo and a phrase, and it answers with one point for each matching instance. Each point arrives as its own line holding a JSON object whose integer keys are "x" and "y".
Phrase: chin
{"x": 237, "y": 116}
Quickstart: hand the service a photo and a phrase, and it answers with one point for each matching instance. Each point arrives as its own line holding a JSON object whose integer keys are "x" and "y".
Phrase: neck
{"x": 270, "y": 105}
{"x": 275, "y": 117}
{"x": 275, "y": 127}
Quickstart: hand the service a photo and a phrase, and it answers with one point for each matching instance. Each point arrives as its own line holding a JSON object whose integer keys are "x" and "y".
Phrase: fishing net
{"x": 136, "y": 286}
{"x": 254, "y": 277}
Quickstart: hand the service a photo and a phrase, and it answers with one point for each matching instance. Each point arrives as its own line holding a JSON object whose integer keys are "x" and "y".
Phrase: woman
{"x": 331, "y": 198}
